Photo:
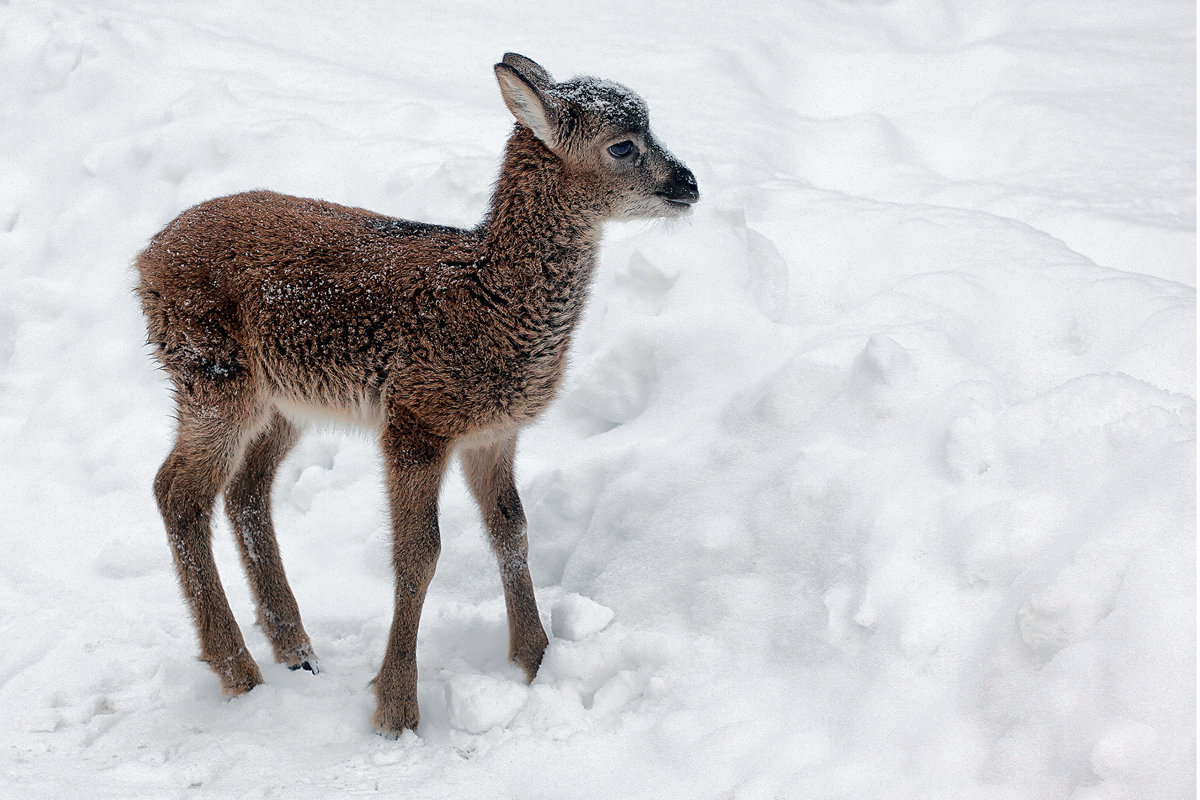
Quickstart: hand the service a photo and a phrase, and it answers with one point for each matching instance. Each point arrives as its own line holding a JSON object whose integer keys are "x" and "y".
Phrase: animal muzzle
{"x": 681, "y": 189}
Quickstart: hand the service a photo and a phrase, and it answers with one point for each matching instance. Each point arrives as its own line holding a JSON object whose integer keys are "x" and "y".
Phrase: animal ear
{"x": 533, "y": 72}
{"x": 529, "y": 104}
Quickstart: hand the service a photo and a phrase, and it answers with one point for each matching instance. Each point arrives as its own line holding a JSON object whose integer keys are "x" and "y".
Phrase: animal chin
{"x": 676, "y": 207}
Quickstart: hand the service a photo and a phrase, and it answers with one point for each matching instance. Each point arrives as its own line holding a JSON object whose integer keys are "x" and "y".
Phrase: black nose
{"x": 682, "y": 187}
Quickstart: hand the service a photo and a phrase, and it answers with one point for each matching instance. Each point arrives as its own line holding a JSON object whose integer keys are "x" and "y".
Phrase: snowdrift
{"x": 874, "y": 477}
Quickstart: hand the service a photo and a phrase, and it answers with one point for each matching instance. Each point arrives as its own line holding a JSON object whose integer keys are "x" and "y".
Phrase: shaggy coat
{"x": 266, "y": 310}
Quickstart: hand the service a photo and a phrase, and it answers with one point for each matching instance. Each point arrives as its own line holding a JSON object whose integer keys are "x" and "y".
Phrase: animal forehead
{"x": 609, "y": 102}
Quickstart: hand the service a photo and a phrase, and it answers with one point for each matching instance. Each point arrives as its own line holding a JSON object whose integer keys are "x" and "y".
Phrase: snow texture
{"x": 575, "y": 617}
{"x": 882, "y": 462}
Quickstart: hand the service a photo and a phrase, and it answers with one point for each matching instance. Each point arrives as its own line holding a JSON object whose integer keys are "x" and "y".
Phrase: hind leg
{"x": 248, "y": 504}
{"x": 215, "y": 420}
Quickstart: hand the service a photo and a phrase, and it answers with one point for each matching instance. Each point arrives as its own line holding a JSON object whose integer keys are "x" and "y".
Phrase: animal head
{"x": 601, "y": 132}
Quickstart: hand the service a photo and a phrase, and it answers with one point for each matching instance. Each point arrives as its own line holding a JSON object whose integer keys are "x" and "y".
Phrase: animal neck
{"x": 539, "y": 217}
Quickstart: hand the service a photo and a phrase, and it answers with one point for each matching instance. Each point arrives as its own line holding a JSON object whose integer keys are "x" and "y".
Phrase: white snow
{"x": 576, "y": 617}
{"x": 873, "y": 478}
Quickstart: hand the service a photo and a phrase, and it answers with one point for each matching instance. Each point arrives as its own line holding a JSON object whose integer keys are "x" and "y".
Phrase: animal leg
{"x": 414, "y": 461}
{"x": 489, "y": 472}
{"x": 208, "y": 446}
{"x": 248, "y": 505}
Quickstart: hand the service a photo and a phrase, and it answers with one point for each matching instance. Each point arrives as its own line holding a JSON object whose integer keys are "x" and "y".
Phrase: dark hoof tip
{"x": 305, "y": 665}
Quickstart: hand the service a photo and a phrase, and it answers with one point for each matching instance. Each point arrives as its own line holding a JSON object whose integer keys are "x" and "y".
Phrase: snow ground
{"x": 872, "y": 479}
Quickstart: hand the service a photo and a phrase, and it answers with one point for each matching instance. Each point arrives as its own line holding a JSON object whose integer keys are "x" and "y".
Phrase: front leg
{"x": 414, "y": 461}
{"x": 489, "y": 472}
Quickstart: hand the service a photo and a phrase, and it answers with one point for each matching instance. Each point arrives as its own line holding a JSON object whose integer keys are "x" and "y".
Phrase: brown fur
{"x": 263, "y": 308}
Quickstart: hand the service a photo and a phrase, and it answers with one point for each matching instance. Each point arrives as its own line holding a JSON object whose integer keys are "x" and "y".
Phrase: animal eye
{"x": 622, "y": 149}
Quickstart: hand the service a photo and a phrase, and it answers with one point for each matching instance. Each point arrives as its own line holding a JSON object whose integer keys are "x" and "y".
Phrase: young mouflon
{"x": 265, "y": 310}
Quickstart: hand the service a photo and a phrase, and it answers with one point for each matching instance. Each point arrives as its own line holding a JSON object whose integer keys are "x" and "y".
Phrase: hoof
{"x": 528, "y": 655}
{"x": 391, "y": 722}
{"x": 396, "y": 703}
{"x": 301, "y": 657}
{"x": 239, "y": 674}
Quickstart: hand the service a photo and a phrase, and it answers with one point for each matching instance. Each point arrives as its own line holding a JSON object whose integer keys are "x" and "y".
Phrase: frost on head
{"x": 603, "y": 103}
{"x": 568, "y": 114}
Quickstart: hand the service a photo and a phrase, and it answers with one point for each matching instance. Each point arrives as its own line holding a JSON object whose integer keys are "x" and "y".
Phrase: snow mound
{"x": 872, "y": 477}
{"x": 478, "y": 703}
{"x": 575, "y": 617}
